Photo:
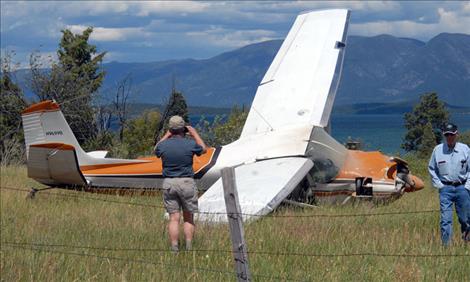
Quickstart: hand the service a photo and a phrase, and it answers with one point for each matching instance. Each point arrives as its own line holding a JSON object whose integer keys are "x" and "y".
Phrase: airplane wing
{"x": 261, "y": 187}
{"x": 300, "y": 85}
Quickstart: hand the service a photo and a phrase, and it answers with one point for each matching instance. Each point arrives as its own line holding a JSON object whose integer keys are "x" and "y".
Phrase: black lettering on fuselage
{"x": 54, "y": 133}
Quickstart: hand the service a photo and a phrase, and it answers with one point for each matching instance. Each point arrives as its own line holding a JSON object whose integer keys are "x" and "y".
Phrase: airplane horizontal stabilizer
{"x": 261, "y": 187}
{"x": 54, "y": 164}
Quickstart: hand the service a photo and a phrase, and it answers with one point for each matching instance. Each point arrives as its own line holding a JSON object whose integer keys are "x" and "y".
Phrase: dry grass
{"x": 79, "y": 222}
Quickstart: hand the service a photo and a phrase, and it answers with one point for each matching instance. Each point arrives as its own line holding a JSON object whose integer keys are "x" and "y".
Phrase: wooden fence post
{"x": 236, "y": 224}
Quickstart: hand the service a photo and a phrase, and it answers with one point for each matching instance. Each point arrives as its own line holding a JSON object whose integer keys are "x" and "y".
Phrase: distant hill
{"x": 222, "y": 81}
{"x": 136, "y": 109}
{"x": 389, "y": 69}
{"x": 379, "y": 69}
{"x": 389, "y": 108}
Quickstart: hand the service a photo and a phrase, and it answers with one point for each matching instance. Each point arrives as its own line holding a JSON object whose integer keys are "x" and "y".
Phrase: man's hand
{"x": 196, "y": 137}
{"x": 191, "y": 130}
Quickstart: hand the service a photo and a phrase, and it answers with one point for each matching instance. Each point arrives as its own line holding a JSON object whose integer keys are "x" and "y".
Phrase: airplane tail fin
{"x": 44, "y": 123}
{"x": 54, "y": 154}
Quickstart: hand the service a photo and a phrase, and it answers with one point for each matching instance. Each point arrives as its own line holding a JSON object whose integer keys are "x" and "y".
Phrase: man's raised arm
{"x": 197, "y": 138}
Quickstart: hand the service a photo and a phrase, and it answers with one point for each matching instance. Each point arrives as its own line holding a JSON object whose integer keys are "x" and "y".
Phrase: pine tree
{"x": 465, "y": 138}
{"x": 12, "y": 103}
{"x": 428, "y": 142}
{"x": 232, "y": 129}
{"x": 429, "y": 110}
{"x": 176, "y": 106}
{"x": 72, "y": 81}
{"x": 139, "y": 134}
{"x": 80, "y": 58}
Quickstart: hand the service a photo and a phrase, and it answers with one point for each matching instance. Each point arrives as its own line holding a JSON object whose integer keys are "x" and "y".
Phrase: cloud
{"x": 451, "y": 21}
{"x": 111, "y": 34}
{"x": 466, "y": 8}
{"x": 154, "y": 30}
{"x": 146, "y": 8}
{"x": 448, "y": 21}
{"x": 218, "y": 36}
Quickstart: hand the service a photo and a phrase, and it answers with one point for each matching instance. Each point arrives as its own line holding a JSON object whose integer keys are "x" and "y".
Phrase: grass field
{"x": 82, "y": 239}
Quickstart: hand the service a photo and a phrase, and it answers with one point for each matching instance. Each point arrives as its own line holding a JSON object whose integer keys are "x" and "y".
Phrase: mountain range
{"x": 380, "y": 69}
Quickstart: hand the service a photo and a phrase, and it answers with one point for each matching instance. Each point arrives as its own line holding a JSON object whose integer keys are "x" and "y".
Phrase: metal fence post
{"x": 236, "y": 224}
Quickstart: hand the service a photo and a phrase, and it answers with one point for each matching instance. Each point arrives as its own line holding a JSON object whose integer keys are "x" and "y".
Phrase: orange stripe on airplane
{"x": 44, "y": 106}
{"x": 59, "y": 146}
{"x": 152, "y": 167}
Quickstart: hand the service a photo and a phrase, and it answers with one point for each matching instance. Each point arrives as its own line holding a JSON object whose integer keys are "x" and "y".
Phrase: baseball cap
{"x": 450, "y": 128}
{"x": 176, "y": 122}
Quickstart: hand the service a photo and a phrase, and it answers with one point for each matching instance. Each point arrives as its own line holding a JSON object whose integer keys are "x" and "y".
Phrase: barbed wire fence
{"x": 284, "y": 254}
{"x": 63, "y": 195}
{"x": 53, "y": 248}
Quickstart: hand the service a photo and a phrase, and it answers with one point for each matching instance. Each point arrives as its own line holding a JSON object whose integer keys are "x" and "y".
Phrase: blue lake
{"x": 377, "y": 132}
{"x": 380, "y": 132}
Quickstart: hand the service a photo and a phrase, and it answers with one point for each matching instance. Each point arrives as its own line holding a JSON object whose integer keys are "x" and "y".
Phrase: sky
{"x": 147, "y": 31}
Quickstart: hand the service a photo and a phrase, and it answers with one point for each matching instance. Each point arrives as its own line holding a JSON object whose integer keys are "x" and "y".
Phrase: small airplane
{"x": 284, "y": 153}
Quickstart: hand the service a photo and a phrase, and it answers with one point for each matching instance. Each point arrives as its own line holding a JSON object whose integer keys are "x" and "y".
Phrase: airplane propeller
{"x": 403, "y": 176}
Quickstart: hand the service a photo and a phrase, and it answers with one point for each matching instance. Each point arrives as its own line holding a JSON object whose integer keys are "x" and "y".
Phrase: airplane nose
{"x": 418, "y": 184}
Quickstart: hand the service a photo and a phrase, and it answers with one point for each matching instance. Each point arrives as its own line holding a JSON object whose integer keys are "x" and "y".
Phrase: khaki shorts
{"x": 180, "y": 193}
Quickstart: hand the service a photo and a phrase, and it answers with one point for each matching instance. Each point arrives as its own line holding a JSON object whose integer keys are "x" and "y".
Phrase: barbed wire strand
{"x": 80, "y": 197}
{"x": 232, "y": 214}
{"x": 141, "y": 261}
{"x": 230, "y": 251}
{"x": 118, "y": 258}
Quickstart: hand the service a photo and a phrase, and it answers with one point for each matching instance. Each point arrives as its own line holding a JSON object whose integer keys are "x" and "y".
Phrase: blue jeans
{"x": 448, "y": 195}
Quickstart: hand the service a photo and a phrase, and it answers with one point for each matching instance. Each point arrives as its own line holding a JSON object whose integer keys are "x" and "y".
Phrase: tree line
{"x": 74, "y": 81}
